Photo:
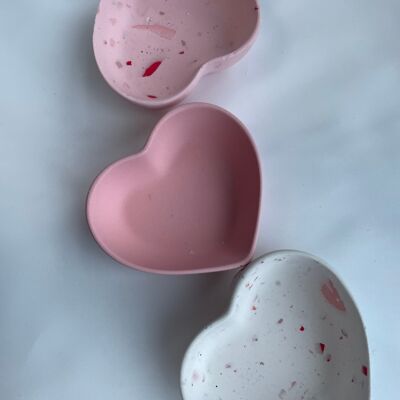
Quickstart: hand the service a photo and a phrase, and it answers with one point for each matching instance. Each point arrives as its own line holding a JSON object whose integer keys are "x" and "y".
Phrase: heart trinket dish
{"x": 154, "y": 52}
{"x": 292, "y": 332}
{"x": 188, "y": 203}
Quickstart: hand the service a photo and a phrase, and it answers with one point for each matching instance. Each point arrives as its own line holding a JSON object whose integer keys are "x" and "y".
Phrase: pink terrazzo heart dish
{"x": 154, "y": 52}
{"x": 188, "y": 203}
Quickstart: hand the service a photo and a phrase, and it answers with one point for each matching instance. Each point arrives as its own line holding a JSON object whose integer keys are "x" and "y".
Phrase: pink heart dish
{"x": 154, "y": 52}
{"x": 292, "y": 332}
{"x": 188, "y": 203}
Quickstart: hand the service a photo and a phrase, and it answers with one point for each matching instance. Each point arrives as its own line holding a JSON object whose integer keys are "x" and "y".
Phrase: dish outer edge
{"x": 205, "y": 69}
{"x": 230, "y": 311}
{"x": 141, "y": 153}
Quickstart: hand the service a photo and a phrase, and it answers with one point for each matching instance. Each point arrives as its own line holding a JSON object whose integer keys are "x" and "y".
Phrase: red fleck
{"x": 322, "y": 347}
{"x": 301, "y": 328}
{"x": 280, "y": 321}
{"x": 129, "y": 62}
{"x": 254, "y": 308}
{"x": 364, "y": 370}
{"x": 328, "y": 358}
{"x": 150, "y": 96}
{"x": 153, "y": 68}
{"x": 332, "y": 296}
{"x": 181, "y": 52}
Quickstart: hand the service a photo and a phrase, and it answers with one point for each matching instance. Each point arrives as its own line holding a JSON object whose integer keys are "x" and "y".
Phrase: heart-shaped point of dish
{"x": 188, "y": 203}
{"x": 153, "y": 52}
{"x": 292, "y": 332}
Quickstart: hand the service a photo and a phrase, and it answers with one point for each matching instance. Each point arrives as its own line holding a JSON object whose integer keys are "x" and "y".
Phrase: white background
{"x": 320, "y": 93}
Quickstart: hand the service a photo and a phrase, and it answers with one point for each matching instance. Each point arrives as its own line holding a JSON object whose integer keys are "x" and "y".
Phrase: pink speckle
{"x": 292, "y": 385}
{"x": 331, "y": 295}
{"x": 228, "y": 365}
{"x": 181, "y": 52}
{"x": 112, "y": 42}
{"x": 113, "y": 21}
{"x": 254, "y": 308}
{"x": 280, "y": 321}
{"x": 364, "y": 370}
{"x": 160, "y": 30}
{"x": 195, "y": 376}
{"x": 301, "y": 329}
{"x": 118, "y": 64}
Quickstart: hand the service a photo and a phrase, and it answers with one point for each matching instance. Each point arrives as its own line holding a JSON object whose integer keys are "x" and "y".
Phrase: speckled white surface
{"x": 292, "y": 332}
{"x": 320, "y": 92}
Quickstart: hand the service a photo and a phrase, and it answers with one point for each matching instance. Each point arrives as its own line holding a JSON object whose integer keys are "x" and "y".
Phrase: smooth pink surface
{"x": 188, "y": 203}
{"x": 190, "y": 37}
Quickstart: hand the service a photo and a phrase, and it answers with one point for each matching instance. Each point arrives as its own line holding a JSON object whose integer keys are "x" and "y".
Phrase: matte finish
{"x": 320, "y": 94}
{"x": 292, "y": 332}
{"x": 153, "y": 52}
{"x": 189, "y": 202}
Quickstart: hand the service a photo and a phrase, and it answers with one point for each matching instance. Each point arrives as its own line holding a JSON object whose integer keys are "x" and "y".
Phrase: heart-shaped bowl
{"x": 188, "y": 203}
{"x": 153, "y": 52}
{"x": 292, "y": 332}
